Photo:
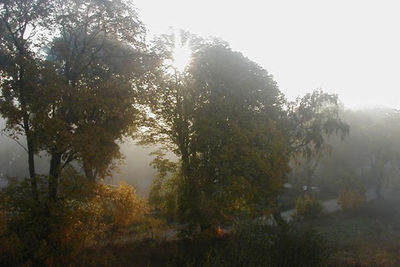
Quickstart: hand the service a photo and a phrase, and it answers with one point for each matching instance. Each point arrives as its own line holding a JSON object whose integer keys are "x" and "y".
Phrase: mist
{"x": 182, "y": 133}
{"x": 134, "y": 168}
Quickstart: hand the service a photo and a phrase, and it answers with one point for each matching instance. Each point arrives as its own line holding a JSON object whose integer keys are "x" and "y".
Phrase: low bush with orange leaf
{"x": 352, "y": 196}
{"x": 351, "y": 199}
{"x": 87, "y": 214}
{"x": 124, "y": 213}
{"x": 308, "y": 207}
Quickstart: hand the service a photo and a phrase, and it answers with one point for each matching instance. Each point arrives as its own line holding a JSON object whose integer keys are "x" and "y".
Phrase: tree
{"x": 241, "y": 149}
{"x": 102, "y": 59}
{"x": 170, "y": 108}
{"x": 162, "y": 195}
{"x": 20, "y": 23}
{"x": 383, "y": 148}
{"x": 311, "y": 120}
{"x": 83, "y": 84}
{"x": 221, "y": 117}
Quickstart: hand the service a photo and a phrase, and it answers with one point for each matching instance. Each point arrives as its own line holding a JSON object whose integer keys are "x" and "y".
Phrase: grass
{"x": 369, "y": 236}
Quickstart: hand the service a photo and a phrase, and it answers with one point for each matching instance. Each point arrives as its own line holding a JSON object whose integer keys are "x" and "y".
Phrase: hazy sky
{"x": 350, "y": 47}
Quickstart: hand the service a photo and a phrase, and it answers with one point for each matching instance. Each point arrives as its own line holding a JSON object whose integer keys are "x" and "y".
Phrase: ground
{"x": 369, "y": 236}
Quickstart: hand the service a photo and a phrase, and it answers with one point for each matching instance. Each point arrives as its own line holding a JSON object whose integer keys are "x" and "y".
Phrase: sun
{"x": 182, "y": 56}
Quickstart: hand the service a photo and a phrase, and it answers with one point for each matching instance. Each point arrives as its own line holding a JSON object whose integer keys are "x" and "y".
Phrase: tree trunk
{"x": 54, "y": 173}
{"x": 31, "y": 164}
{"x": 27, "y": 129}
{"x": 89, "y": 172}
{"x": 277, "y": 216}
{"x": 312, "y": 167}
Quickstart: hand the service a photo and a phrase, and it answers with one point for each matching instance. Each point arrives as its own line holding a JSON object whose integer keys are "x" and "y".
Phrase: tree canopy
{"x": 233, "y": 131}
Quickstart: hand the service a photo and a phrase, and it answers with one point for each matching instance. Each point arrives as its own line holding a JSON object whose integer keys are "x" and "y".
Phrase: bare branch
{"x": 19, "y": 143}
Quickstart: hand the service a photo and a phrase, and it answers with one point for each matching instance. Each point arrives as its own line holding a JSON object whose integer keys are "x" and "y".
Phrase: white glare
{"x": 182, "y": 56}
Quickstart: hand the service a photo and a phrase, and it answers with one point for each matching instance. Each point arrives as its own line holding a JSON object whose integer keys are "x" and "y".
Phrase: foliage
{"x": 308, "y": 207}
{"x": 370, "y": 154}
{"x": 367, "y": 157}
{"x": 163, "y": 192}
{"x": 89, "y": 214}
{"x": 312, "y": 119}
{"x": 242, "y": 152}
{"x": 283, "y": 245}
{"x": 100, "y": 76}
{"x": 251, "y": 245}
{"x": 351, "y": 199}
{"x": 222, "y": 120}
{"x": 20, "y": 22}
{"x": 383, "y": 149}
{"x": 122, "y": 210}
{"x": 37, "y": 238}
{"x": 78, "y": 76}
{"x": 74, "y": 98}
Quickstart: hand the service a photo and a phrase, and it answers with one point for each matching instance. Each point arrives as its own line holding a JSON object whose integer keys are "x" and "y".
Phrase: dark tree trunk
{"x": 277, "y": 216}
{"x": 54, "y": 173}
{"x": 89, "y": 172}
{"x": 27, "y": 128}
{"x": 312, "y": 167}
{"x": 31, "y": 164}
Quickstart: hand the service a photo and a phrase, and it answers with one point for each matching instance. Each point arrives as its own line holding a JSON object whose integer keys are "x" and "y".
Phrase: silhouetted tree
{"x": 20, "y": 23}
{"x": 312, "y": 119}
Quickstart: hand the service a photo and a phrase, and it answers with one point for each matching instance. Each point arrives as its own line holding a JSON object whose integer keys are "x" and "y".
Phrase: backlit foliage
{"x": 79, "y": 76}
{"x": 104, "y": 214}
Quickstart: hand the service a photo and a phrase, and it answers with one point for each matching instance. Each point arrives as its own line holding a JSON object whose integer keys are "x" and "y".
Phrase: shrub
{"x": 308, "y": 207}
{"x": 351, "y": 199}
{"x": 263, "y": 245}
{"x": 248, "y": 244}
{"x": 86, "y": 214}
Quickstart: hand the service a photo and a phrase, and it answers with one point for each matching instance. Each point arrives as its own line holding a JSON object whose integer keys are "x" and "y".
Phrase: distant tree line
{"x": 368, "y": 160}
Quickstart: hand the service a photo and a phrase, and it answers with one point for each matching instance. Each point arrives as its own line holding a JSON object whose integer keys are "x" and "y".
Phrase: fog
{"x": 345, "y": 47}
{"x": 199, "y": 133}
{"x": 353, "y": 155}
{"x": 135, "y": 167}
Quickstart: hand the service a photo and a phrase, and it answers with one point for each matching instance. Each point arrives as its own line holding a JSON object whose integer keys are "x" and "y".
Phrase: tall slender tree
{"x": 20, "y": 23}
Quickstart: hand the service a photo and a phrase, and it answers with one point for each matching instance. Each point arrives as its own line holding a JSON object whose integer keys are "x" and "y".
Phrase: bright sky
{"x": 349, "y": 47}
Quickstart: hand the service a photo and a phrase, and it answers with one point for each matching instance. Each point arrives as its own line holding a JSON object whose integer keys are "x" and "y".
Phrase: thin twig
{"x": 15, "y": 141}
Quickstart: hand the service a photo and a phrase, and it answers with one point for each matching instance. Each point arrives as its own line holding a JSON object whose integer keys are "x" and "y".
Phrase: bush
{"x": 308, "y": 207}
{"x": 263, "y": 245}
{"x": 43, "y": 233}
{"x": 351, "y": 199}
{"x": 248, "y": 244}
